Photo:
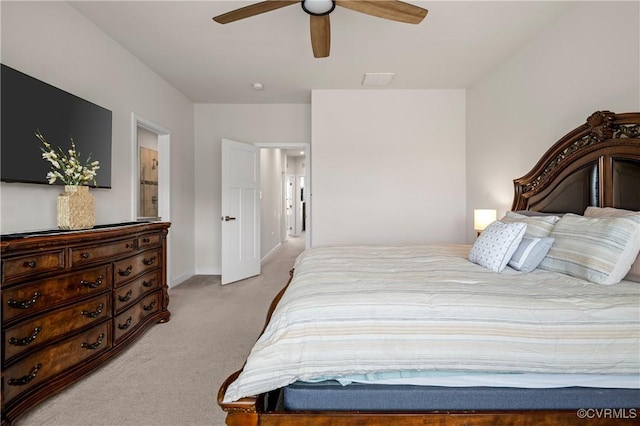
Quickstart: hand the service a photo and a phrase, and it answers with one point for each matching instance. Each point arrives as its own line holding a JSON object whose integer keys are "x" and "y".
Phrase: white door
{"x": 240, "y": 211}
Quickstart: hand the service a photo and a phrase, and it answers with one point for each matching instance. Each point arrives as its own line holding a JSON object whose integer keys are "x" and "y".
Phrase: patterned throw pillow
{"x": 497, "y": 243}
{"x": 530, "y": 253}
{"x": 600, "y": 250}
{"x": 537, "y": 226}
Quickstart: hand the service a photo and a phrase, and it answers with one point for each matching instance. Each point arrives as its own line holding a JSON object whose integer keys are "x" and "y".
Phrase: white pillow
{"x": 530, "y": 253}
{"x": 496, "y": 244}
{"x": 634, "y": 272}
{"x": 592, "y": 211}
{"x": 537, "y": 226}
{"x": 600, "y": 250}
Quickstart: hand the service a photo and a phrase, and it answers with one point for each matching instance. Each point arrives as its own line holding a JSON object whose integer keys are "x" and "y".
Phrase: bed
{"x": 449, "y": 346}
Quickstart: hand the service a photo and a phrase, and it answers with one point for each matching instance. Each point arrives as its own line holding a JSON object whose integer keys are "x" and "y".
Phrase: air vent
{"x": 378, "y": 79}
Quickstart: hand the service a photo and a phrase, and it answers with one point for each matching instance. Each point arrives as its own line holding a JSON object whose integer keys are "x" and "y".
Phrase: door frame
{"x": 306, "y": 147}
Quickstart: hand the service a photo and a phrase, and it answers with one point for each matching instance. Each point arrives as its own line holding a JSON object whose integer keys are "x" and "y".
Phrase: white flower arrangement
{"x": 67, "y": 166}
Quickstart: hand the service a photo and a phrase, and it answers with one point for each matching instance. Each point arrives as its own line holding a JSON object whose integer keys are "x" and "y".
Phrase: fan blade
{"x": 252, "y": 10}
{"x": 320, "y": 36}
{"x": 387, "y": 9}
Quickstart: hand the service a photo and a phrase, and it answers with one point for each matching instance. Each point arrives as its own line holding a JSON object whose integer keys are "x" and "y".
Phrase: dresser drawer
{"x": 27, "y": 299}
{"x": 135, "y": 265}
{"x": 128, "y": 293}
{"x": 52, "y": 360}
{"x": 14, "y": 268}
{"x": 149, "y": 240}
{"x": 90, "y": 254}
{"x": 43, "y": 329}
{"x": 129, "y": 320}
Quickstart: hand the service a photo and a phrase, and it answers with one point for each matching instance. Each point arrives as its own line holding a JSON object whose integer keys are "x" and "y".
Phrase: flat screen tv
{"x": 29, "y": 105}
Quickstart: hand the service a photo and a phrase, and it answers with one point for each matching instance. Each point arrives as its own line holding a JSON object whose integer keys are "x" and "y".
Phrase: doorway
{"x": 157, "y": 139}
{"x": 148, "y": 169}
{"x": 150, "y": 163}
{"x": 294, "y": 195}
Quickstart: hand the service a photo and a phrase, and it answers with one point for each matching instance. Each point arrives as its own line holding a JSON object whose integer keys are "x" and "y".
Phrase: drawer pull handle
{"x": 31, "y": 264}
{"x": 126, "y": 272}
{"x": 25, "y": 304}
{"x": 26, "y": 379}
{"x": 149, "y": 306}
{"x": 24, "y": 341}
{"x": 95, "y": 345}
{"x": 128, "y": 245}
{"x": 84, "y": 255}
{"x": 149, "y": 283}
{"x": 126, "y": 324}
{"x": 126, "y": 297}
{"x": 94, "y": 284}
{"x": 93, "y": 314}
{"x": 146, "y": 240}
{"x": 149, "y": 261}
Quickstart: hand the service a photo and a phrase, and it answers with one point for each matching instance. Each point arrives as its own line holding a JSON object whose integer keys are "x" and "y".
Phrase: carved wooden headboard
{"x": 596, "y": 164}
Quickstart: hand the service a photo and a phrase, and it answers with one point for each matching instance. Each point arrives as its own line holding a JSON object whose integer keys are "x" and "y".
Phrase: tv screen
{"x": 29, "y": 105}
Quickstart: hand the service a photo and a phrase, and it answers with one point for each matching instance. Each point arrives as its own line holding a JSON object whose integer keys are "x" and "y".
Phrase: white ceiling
{"x": 457, "y": 43}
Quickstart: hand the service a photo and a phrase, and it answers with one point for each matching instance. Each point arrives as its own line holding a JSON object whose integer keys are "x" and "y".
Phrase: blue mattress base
{"x": 332, "y": 396}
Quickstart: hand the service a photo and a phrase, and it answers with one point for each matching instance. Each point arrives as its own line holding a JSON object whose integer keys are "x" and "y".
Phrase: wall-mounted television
{"x": 28, "y": 105}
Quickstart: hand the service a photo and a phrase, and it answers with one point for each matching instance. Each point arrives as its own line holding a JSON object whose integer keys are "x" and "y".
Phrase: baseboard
{"x": 217, "y": 271}
{"x": 208, "y": 271}
{"x": 179, "y": 280}
{"x": 271, "y": 253}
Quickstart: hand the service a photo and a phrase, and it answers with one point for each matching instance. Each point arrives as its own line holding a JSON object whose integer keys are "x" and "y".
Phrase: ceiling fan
{"x": 319, "y": 11}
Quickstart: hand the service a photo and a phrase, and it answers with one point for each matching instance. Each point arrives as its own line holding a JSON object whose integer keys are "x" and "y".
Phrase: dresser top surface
{"x": 57, "y": 236}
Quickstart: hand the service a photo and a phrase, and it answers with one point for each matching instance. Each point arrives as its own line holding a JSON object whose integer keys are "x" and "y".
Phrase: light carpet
{"x": 171, "y": 375}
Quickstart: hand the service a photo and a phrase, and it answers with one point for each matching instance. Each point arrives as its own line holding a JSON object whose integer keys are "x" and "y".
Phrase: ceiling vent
{"x": 377, "y": 79}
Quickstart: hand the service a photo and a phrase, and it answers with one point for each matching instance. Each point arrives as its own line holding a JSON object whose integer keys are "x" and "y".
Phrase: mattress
{"x": 332, "y": 396}
{"x": 467, "y": 379}
{"x": 370, "y": 309}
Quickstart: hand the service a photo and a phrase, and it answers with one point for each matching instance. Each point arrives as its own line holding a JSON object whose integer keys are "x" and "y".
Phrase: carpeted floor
{"x": 172, "y": 374}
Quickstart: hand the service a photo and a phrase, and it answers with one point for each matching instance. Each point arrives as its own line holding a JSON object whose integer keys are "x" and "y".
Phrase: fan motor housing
{"x": 318, "y": 7}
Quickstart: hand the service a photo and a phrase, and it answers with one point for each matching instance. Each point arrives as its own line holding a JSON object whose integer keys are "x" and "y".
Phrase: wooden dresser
{"x": 71, "y": 300}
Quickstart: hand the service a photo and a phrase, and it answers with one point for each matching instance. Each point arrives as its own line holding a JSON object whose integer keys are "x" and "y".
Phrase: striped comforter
{"x": 357, "y": 310}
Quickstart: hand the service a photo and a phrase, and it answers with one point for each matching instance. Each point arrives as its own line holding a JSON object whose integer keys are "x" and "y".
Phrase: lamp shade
{"x": 482, "y": 218}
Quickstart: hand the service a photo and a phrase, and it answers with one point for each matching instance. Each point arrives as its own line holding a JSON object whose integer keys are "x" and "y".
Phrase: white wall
{"x": 52, "y": 42}
{"x": 587, "y": 60}
{"x": 272, "y": 167}
{"x": 388, "y": 166}
{"x": 147, "y": 139}
{"x": 296, "y": 166}
{"x": 259, "y": 123}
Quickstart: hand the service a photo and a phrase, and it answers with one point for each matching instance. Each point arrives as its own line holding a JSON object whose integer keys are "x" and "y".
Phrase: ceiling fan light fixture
{"x": 319, "y": 10}
{"x": 318, "y": 7}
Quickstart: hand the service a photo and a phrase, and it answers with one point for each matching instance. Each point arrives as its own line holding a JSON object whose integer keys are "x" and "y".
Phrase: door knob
{"x": 228, "y": 218}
